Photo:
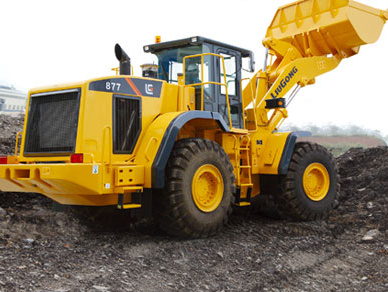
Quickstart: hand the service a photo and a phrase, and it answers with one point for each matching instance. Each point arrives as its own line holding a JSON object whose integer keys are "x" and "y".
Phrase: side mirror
{"x": 251, "y": 62}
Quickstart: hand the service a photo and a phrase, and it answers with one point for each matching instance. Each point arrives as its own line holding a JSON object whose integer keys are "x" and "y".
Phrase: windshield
{"x": 171, "y": 61}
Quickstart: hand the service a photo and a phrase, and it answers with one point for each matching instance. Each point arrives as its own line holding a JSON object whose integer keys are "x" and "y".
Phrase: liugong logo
{"x": 284, "y": 82}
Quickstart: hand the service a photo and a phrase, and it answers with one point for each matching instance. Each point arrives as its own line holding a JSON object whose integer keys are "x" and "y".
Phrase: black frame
{"x": 198, "y": 40}
{"x": 237, "y": 97}
{"x": 114, "y": 122}
{"x": 53, "y": 153}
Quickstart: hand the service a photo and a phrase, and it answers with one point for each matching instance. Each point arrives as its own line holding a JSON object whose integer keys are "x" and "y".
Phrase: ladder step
{"x": 245, "y": 166}
{"x": 246, "y": 185}
{"x": 133, "y": 189}
{"x": 120, "y": 200}
{"x": 243, "y": 204}
{"x": 246, "y": 149}
{"x": 129, "y": 206}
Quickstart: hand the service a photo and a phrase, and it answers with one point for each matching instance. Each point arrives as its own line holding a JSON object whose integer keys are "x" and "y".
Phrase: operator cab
{"x": 170, "y": 66}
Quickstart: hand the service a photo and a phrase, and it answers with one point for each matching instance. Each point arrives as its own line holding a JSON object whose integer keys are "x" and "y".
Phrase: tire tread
{"x": 171, "y": 213}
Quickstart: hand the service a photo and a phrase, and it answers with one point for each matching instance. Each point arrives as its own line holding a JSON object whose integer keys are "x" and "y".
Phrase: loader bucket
{"x": 322, "y": 27}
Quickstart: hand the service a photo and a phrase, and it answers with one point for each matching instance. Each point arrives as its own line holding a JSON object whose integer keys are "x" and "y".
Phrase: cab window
{"x": 230, "y": 73}
{"x": 170, "y": 61}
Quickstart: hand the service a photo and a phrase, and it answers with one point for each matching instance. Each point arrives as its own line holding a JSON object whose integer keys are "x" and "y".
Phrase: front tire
{"x": 198, "y": 195}
{"x": 309, "y": 190}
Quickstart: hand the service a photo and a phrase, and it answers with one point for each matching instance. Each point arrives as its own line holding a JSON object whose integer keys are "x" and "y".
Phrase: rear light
{"x": 77, "y": 158}
{"x": 3, "y": 160}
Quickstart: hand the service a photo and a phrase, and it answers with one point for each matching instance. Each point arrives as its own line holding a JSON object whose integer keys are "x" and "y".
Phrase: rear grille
{"x": 127, "y": 124}
{"x": 52, "y": 122}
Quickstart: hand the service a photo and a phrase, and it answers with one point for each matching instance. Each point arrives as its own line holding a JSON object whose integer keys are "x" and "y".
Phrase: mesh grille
{"x": 127, "y": 125}
{"x": 52, "y": 123}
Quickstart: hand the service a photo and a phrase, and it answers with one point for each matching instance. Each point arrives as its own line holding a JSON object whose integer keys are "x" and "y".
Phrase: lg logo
{"x": 149, "y": 89}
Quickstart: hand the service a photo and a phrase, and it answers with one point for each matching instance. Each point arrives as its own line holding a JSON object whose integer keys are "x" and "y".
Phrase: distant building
{"x": 12, "y": 100}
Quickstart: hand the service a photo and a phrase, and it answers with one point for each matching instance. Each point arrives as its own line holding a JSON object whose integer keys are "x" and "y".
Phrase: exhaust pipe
{"x": 125, "y": 61}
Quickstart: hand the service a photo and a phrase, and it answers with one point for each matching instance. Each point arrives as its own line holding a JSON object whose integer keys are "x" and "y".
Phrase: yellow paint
{"x": 72, "y": 183}
{"x": 270, "y": 154}
{"x": 145, "y": 155}
{"x": 51, "y": 178}
{"x": 243, "y": 204}
{"x": 129, "y": 206}
{"x": 321, "y": 25}
{"x": 305, "y": 40}
{"x": 316, "y": 181}
{"x": 116, "y": 70}
{"x": 129, "y": 175}
{"x": 207, "y": 188}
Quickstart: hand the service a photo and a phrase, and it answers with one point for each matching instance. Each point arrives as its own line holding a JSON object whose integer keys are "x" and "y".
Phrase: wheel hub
{"x": 316, "y": 181}
{"x": 207, "y": 188}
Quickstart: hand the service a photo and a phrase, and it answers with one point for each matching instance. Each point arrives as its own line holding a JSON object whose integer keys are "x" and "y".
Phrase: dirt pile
{"x": 364, "y": 187}
{"x": 43, "y": 249}
{"x": 9, "y": 126}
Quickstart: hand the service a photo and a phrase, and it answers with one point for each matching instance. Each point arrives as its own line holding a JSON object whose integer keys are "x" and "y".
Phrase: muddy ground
{"x": 43, "y": 248}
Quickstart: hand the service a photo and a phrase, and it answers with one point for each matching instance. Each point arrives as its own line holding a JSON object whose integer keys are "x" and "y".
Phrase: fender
{"x": 289, "y": 150}
{"x": 168, "y": 141}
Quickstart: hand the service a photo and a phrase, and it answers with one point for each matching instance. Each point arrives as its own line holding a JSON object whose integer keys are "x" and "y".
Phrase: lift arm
{"x": 309, "y": 38}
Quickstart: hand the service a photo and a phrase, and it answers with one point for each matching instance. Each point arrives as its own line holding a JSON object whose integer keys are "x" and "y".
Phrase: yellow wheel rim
{"x": 316, "y": 181}
{"x": 207, "y": 188}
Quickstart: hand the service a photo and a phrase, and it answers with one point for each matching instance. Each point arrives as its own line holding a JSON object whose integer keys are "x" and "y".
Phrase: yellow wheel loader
{"x": 192, "y": 137}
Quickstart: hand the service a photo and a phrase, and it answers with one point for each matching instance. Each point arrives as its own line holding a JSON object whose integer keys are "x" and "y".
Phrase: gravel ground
{"x": 45, "y": 249}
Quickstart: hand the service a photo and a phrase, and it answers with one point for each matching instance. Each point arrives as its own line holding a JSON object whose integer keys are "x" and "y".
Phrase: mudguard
{"x": 168, "y": 141}
{"x": 289, "y": 150}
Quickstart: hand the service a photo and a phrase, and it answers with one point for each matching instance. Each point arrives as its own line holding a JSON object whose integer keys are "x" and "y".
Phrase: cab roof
{"x": 196, "y": 40}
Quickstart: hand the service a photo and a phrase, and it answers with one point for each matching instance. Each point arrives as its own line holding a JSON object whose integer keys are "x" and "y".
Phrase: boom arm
{"x": 309, "y": 38}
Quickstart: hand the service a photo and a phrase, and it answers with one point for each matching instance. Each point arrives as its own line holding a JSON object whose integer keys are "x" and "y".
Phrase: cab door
{"x": 232, "y": 60}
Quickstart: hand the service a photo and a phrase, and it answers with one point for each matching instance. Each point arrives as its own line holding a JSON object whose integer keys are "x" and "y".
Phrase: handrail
{"x": 103, "y": 145}
{"x": 236, "y": 159}
{"x": 209, "y": 82}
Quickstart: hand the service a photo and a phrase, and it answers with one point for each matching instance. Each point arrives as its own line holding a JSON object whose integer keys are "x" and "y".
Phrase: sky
{"x": 53, "y": 42}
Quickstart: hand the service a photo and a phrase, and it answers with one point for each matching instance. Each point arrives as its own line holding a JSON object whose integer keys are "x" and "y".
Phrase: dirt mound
{"x": 9, "y": 127}
{"x": 364, "y": 187}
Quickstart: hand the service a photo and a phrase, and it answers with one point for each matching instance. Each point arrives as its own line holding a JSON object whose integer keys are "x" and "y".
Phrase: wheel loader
{"x": 191, "y": 138}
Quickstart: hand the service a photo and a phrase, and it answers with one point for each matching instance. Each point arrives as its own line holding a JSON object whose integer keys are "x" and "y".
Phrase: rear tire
{"x": 198, "y": 195}
{"x": 309, "y": 190}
